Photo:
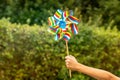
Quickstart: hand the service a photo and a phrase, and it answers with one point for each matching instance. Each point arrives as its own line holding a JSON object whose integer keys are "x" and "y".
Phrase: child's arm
{"x": 99, "y": 74}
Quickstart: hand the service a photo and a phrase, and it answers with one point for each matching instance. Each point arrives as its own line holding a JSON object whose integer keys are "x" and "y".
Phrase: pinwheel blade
{"x": 73, "y": 19}
{"x": 51, "y": 21}
{"x": 67, "y": 36}
{"x": 71, "y": 13}
{"x": 57, "y": 37}
{"x": 59, "y": 31}
{"x": 74, "y": 28}
{"x": 58, "y": 15}
{"x": 65, "y": 15}
{"x": 53, "y": 29}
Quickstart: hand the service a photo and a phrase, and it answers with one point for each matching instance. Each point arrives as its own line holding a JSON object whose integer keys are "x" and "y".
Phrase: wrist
{"x": 78, "y": 66}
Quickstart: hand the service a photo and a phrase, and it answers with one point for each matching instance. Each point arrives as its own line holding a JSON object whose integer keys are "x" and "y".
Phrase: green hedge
{"x": 37, "y": 11}
{"x": 30, "y": 52}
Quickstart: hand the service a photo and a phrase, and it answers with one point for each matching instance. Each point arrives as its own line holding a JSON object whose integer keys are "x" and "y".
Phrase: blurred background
{"x": 37, "y": 11}
{"x": 29, "y": 52}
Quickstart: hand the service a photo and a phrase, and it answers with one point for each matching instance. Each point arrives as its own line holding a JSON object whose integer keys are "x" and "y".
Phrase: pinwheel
{"x": 63, "y": 24}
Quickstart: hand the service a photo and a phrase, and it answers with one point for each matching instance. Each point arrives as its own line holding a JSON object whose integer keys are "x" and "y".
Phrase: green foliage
{"x": 30, "y": 53}
{"x": 37, "y": 11}
{"x": 25, "y": 11}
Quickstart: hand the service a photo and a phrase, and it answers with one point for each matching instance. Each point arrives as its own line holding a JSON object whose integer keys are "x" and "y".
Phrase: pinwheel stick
{"x": 68, "y": 54}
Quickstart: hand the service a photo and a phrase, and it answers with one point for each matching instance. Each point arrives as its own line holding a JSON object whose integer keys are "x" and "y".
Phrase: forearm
{"x": 96, "y": 73}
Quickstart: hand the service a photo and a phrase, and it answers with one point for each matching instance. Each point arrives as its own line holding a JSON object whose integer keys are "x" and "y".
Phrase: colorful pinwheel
{"x": 62, "y": 24}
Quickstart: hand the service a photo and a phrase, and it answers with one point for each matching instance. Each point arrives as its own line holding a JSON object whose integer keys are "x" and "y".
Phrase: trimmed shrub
{"x": 30, "y": 52}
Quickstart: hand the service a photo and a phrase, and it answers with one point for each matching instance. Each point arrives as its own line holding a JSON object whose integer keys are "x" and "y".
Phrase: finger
{"x": 72, "y": 56}
{"x": 67, "y": 60}
{"x": 67, "y": 57}
{"x": 67, "y": 64}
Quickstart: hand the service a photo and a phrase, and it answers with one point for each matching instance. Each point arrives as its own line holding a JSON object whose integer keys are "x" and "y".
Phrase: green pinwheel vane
{"x": 62, "y": 24}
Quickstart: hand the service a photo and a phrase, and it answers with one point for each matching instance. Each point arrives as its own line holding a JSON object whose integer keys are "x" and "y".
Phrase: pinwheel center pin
{"x": 62, "y": 24}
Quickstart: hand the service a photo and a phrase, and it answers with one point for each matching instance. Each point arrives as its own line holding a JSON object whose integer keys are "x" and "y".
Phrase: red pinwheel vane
{"x": 62, "y": 25}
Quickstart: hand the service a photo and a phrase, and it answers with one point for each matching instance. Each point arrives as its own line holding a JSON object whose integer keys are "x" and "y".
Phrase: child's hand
{"x": 71, "y": 62}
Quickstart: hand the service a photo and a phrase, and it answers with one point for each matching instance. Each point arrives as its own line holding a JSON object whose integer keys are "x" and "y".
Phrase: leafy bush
{"x": 30, "y": 52}
{"x": 37, "y": 11}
